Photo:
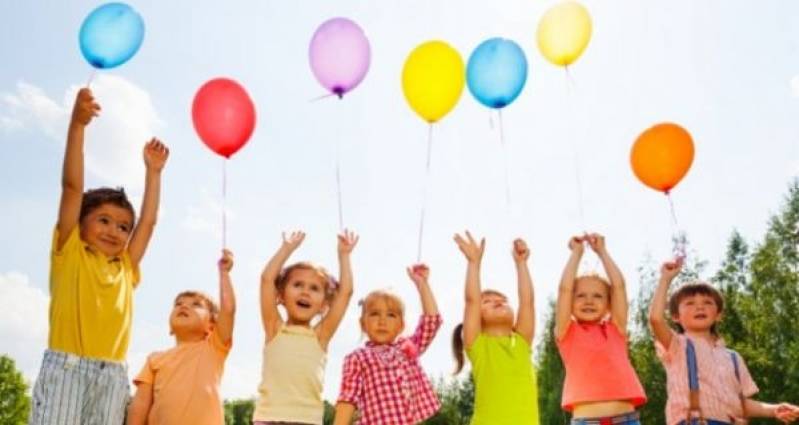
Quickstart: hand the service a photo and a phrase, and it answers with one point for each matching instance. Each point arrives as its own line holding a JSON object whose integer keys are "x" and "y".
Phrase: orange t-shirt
{"x": 185, "y": 382}
{"x": 597, "y": 366}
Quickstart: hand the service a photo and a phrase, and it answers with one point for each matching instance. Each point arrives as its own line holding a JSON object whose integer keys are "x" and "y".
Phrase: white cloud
{"x": 113, "y": 140}
{"x": 23, "y": 322}
{"x": 795, "y": 85}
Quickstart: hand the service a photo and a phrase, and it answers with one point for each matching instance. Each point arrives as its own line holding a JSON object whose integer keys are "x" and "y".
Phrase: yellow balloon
{"x": 432, "y": 79}
{"x": 564, "y": 32}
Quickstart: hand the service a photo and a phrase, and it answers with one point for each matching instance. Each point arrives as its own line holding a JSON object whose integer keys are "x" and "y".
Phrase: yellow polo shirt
{"x": 91, "y": 300}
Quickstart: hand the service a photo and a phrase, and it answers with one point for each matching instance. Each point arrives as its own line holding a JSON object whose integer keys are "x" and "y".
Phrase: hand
{"x": 85, "y": 108}
{"x": 670, "y": 269}
{"x": 576, "y": 244}
{"x": 521, "y": 252}
{"x": 226, "y": 262}
{"x": 346, "y": 242}
{"x": 155, "y": 154}
{"x": 786, "y": 412}
{"x": 470, "y": 248}
{"x": 293, "y": 240}
{"x": 419, "y": 273}
{"x": 597, "y": 243}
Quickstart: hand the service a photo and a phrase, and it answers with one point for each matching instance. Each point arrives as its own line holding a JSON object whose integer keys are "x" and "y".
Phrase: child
{"x": 181, "y": 385}
{"x": 505, "y": 389}
{"x": 384, "y": 379}
{"x": 295, "y": 351}
{"x": 94, "y": 268}
{"x": 591, "y": 330}
{"x": 706, "y": 382}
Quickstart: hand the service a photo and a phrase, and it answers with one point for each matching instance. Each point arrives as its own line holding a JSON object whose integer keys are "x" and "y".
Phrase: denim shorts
{"x": 632, "y": 418}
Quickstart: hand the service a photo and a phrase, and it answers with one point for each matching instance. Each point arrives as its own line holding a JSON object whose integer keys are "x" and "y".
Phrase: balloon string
{"x": 576, "y": 149}
{"x": 505, "y": 158}
{"x": 91, "y": 77}
{"x": 224, "y": 203}
{"x": 678, "y": 238}
{"x": 324, "y": 96}
{"x": 338, "y": 186}
{"x": 424, "y": 194}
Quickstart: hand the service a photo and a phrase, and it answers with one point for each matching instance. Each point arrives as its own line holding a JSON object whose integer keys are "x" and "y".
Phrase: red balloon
{"x": 223, "y": 116}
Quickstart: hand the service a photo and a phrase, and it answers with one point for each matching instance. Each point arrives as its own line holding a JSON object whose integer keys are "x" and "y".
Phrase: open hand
{"x": 347, "y": 241}
{"x": 470, "y": 248}
{"x": 293, "y": 240}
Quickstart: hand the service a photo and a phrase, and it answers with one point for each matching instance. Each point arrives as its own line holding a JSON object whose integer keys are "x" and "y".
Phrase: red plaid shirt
{"x": 386, "y": 382}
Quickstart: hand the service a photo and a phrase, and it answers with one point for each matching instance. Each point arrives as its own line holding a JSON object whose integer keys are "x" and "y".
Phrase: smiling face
{"x": 303, "y": 295}
{"x": 590, "y": 300}
{"x": 107, "y": 228}
{"x": 382, "y": 317}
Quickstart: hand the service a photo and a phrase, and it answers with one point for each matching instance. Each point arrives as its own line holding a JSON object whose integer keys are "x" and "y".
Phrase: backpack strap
{"x": 735, "y": 364}
{"x": 693, "y": 385}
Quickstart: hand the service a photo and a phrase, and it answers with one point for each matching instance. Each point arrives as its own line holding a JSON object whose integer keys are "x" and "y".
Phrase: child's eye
{"x": 392, "y": 315}
{"x": 124, "y": 228}
{"x": 103, "y": 220}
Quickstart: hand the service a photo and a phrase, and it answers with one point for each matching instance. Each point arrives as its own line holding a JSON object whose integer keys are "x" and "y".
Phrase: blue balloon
{"x": 496, "y": 72}
{"x": 111, "y": 35}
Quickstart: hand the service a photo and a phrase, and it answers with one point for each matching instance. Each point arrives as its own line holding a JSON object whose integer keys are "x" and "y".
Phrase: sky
{"x": 726, "y": 70}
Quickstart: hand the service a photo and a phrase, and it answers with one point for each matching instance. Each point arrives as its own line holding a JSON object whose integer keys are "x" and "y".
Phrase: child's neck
{"x": 189, "y": 337}
{"x": 497, "y": 330}
{"x": 294, "y": 322}
{"x": 705, "y": 334}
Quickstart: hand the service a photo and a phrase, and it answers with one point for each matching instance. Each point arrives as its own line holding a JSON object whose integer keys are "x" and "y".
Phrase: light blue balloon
{"x": 111, "y": 35}
{"x": 496, "y": 72}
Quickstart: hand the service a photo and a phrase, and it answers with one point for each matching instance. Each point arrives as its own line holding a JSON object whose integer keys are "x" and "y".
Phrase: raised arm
{"x": 338, "y": 306}
{"x": 618, "y": 289}
{"x": 419, "y": 274}
{"x": 657, "y": 310}
{"x": 83, "y": 111}
{"x": 227, "y": 298}
{"x": 270, "y": 316}
{"x": 525, "y": 319}
{"x": 155, "y": 156}
{"x": 563, "y": 309}
{"x": 471, "y": 315}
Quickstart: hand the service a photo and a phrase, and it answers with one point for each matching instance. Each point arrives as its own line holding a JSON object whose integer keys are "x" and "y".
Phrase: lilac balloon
{"x": 339, "y": 55}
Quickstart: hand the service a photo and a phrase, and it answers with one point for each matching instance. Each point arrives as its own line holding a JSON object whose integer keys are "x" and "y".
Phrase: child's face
{"x": 590, "y": 302}
{"x": 190, "y": 314}
{"x": 107, "y": 229}
{"x": 304, "y": 295}
{"x": 381, "y": 322}
{"x": 494, "y": 310}
{"x": 697, "y": 313}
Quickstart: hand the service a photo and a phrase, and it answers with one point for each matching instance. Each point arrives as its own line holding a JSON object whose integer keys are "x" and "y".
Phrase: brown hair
{"x": 94, "y": 198}
{"x": 213, "y": 309}
{"x": 392, "y": 300}
{"x": 331, "y": 285}
{"x": 689, "y": 290}
{"x": 457, "y": 335}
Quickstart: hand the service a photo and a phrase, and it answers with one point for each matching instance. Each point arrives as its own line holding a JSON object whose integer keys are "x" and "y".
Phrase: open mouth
{"x": 303, "y": 304}
{"x": 700, "y": 316}
{"x": 183, "y": 314}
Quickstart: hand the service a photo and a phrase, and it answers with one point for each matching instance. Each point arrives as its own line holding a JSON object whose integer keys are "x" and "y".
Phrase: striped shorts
{"x": 77, "y": 390}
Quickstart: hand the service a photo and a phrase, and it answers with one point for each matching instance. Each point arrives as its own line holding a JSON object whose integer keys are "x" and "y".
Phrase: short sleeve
{"x": 146, "y": 375}
{"x": 668, "y": 354}
{"x": 748, "y": 386}
{"x": 72, "y": 243}
{"x": 351, "y": 380}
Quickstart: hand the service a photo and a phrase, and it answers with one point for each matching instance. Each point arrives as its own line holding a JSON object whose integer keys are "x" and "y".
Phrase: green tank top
{"x": 505, "y": 388}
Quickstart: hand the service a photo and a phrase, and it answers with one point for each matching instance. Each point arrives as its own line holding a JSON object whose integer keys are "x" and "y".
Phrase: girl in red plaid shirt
{"x": 384, "y": 379}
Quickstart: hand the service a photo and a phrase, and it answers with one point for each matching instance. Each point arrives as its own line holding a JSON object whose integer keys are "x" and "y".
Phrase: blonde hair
{"x": 593, "y": 276}
{"x": 391, "y": 300}
{"x": 213, "y": 309}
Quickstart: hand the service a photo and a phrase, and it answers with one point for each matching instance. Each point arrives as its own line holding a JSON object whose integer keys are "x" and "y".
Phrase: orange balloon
{"x": 662, "y": 155}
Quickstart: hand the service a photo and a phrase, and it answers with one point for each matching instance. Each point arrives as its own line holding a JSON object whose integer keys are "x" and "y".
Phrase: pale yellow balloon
{"x": 432, "y": 79}
{"x": 564, "y": 32}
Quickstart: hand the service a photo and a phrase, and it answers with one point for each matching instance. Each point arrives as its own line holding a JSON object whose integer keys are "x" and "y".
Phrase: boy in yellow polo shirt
{"x": 94, "y": 267}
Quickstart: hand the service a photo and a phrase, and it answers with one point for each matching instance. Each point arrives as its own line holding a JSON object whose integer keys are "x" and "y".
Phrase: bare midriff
{"x": 602, "y": 409}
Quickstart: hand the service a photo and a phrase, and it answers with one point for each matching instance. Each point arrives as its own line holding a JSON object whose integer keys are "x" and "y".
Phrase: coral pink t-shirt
{"x": 597, "y": 366}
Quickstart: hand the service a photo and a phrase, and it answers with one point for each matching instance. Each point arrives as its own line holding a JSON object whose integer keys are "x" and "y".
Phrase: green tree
{"x": 549, "y": 369}
{"x": 15, "y": 405}
{"x": 239, "y": 412}
{"x": 457, "y": 401}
